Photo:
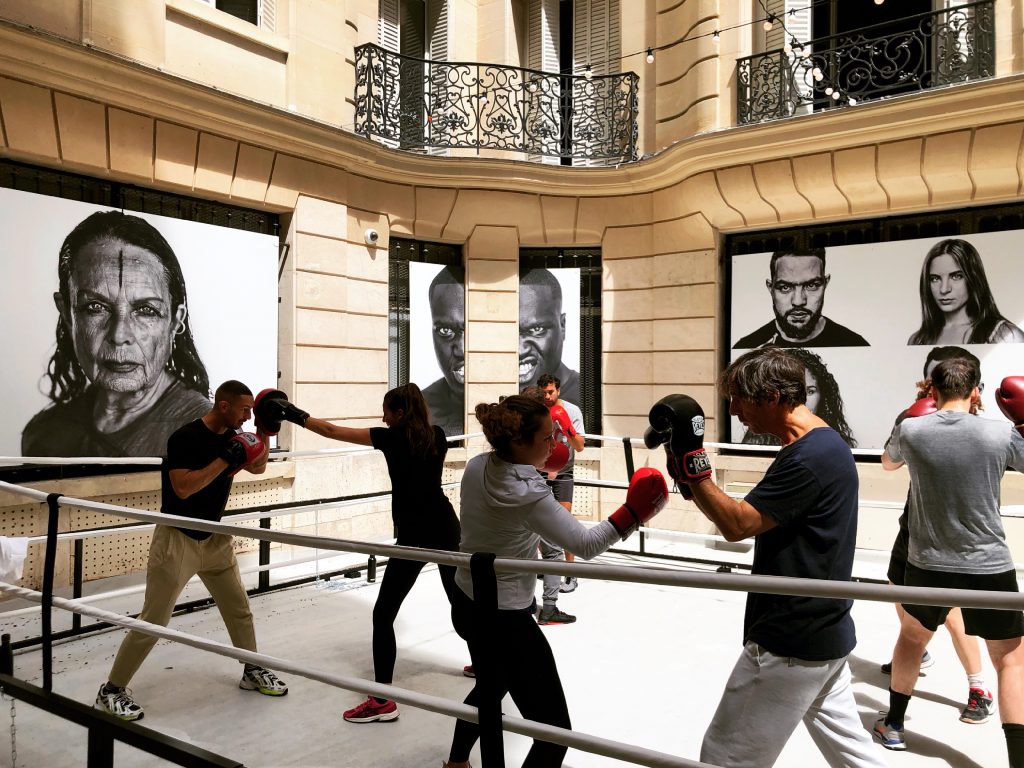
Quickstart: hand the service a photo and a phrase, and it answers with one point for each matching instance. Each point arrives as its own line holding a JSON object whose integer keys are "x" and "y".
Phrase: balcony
{"x": 930, "y": 50}
{"x": 431, "y": 106}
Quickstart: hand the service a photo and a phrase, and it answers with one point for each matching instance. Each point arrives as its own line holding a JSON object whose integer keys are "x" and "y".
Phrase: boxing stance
{"x": 423, "y": 516}
{"x": 506, "y": 509}
{"x": 195, "y": 479}
{"x": 979, "y": 698}
{"x": 956, "y": 462}
{"x": 803, "y": 517}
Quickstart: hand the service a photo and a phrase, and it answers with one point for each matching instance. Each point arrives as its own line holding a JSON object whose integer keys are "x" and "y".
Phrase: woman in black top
{"x": 423, "y": 516}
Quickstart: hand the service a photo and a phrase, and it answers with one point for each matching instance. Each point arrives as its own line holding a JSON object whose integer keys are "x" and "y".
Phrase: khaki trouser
{"x": 174, "y": 558}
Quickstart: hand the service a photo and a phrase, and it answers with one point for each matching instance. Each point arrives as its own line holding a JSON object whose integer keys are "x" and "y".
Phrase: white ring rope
{"x": 776, "y": 585}
{"x": 436, "y": 704}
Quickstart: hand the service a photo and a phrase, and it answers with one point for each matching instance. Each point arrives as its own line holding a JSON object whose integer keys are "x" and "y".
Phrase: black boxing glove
{"x": 682, "y": 419}
{"x": 241, "y": 450}
{"x": 271, "y": 407}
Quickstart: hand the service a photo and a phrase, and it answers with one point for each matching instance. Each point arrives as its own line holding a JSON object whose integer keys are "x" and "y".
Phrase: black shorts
{"x": 561, "y": 487}
{"x": 897, "y": 572}
{"x": 988, "y": 623}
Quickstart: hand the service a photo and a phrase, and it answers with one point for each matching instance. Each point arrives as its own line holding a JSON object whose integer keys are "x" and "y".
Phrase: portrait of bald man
{"x": 446, "y": 397}
{"x": 542, "y": 333}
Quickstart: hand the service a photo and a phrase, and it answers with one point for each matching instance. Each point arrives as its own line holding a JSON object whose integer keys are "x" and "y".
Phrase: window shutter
{"x": 542, "y": 54}
{"x": 387, "y": 24}
{"x": 437, "y": 30}
{"x": 597, "y": 38}
{"x": 268, "y": 15}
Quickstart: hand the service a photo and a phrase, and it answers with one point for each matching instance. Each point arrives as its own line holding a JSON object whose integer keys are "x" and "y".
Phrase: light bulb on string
{"x": 650, "y": 55}
{"x": 835, "y": 95}
{"x": 716, "y": 36}
{"x": 852, "y": 101}
{"x": 588, "y": 72}
{"x": 828, "y": 91}
{"x": 769, "y": 22}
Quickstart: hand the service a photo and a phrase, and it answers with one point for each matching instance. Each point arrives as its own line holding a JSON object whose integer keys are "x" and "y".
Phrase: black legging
{"x": 442, "y": 532}
{"x": 399, "y": 576}
{"x": 526, "y": 670}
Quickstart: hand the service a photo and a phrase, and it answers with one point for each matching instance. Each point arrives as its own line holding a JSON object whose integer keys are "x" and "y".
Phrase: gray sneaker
{"x": 118, "y": 703}
{"x": 979, "y": 707}
{"x": 568, "y": 584}
{"x": 263, "y": 680}
{"x": 550, "y": 614}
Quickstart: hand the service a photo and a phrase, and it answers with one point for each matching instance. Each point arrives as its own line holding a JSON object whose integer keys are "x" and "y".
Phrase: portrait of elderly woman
{"x": 125, "y": 372}
{"x": 957, "y": 306}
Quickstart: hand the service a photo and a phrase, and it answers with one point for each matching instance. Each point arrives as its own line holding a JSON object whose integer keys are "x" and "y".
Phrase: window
{"x": 261, "y": 13}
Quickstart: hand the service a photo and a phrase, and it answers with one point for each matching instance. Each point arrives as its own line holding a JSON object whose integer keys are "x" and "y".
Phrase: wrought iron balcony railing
{"x": 915, "y": 53}
{"x": 422, "y": 105}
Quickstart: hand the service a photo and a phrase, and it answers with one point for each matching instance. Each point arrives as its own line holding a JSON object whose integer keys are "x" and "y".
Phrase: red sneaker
{"x": 468, "y": 671}
{"x": 370, "y": 711}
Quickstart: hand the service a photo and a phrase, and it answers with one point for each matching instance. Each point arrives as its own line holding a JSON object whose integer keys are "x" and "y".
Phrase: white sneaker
{"x": 262, "y": 680}
{"x": 119, "y": 704}
{"x": 569, "y": 584}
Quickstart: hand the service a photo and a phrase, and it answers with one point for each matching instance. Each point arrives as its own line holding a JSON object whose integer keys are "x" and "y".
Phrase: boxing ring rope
{"x": 634, "y": 574}
{"x": 436, "y": 704}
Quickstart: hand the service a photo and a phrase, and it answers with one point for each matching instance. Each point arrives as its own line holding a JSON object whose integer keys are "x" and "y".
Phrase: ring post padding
{"x": 49, "y": 562}
{"x": 485, "y": 603}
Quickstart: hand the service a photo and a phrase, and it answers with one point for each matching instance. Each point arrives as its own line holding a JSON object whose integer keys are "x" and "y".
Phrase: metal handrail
{"x": 419, "y": 104}
{"x": 934, "y": 49}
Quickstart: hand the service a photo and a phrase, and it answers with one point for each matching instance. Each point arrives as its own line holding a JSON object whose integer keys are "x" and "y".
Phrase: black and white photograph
{"x": 142, "y": 316}
{"x": 549, "y": 329}
{"x": 903, "y": 298}
{"x": 437, "y": 341}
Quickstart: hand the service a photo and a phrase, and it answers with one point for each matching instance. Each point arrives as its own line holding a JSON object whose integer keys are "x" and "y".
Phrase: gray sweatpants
{"x": 765, "y": 699}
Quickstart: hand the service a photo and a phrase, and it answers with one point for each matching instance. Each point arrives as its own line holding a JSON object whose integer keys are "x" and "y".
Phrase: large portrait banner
{"x": 869, "y": 321}
{"x": 121, "y": 324}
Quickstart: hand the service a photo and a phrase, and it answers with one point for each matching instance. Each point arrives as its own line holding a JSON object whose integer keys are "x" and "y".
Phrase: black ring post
{"x": 76, "y": 584}
{"x": 485, "y": 603}
{"x": 627, "y": 449}
{"x": 6, "y": 656}
{"x": 263, "y": 584}
{"x": 49, "y": 562}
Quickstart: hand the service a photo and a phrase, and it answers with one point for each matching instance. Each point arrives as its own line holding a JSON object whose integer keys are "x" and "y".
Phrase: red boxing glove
{"x": 241, "y": 450}
{"x": 558, "y": 457}
{"x": 922, "y": 407}
{"x": 561, "y": 420}
{"x": 1010, "y": 398}
{"x": 646, "y": 497}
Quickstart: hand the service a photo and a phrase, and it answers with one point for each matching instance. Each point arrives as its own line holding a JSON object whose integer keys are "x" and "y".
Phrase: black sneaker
{"x": 979, "y": 707}
{"x": 926, "y": 661}
{"x": 550, "y": 614}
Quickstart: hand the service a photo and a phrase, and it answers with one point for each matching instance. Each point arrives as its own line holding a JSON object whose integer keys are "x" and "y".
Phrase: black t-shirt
{"x": 832, "y": 335}
{"x": 194, "y": 446}
{"x": 422, "y": 514}
{"x": 810, "y": 491}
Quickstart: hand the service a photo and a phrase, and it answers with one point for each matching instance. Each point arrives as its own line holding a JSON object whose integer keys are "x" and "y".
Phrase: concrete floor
{"x": 681, "y": 645}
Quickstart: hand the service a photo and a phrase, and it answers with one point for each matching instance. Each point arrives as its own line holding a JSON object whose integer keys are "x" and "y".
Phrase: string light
{"x": 769, "y": 22}
{"x": 650, "y": 55}
{"x": 588, "y": 72}
{"x": 715, "y": 36}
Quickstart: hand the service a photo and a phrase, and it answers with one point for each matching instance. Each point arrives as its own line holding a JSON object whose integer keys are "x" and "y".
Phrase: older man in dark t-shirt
{"x": 803, "y": 515}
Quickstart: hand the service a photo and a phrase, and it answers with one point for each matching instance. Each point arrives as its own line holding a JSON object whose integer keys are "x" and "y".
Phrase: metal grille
{"x": 400, "y": 253}
{"x": 42, "y": 181}
{"x": 588, "y": 261}
{"x": 917, "y": 52}
{"x": 421, "y": 104}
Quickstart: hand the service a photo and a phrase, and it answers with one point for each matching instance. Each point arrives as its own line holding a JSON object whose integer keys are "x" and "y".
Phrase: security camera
{"x": 371, "y": 236}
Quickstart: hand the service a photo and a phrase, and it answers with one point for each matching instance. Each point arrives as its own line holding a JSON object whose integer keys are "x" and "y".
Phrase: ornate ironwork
{"x": 915, "y": 53}
{"x": 417, "y": 104}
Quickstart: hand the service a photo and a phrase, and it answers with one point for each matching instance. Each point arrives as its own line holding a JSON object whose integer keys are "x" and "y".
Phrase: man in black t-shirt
{"x": 803, "y": 517}
{"x": 797, "y": 286}
{"x": 202, "y": 459}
